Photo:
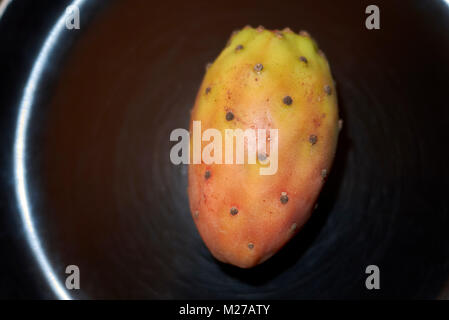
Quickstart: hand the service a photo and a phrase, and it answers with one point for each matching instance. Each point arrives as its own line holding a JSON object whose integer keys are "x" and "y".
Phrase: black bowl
{"x": 88, "y": 180}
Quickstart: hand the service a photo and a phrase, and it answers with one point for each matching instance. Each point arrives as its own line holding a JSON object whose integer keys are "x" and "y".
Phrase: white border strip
{"x": 20, "y": 152}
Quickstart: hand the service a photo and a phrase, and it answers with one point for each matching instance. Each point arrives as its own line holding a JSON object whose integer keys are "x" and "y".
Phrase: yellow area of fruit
{"x": 237, "y": 87}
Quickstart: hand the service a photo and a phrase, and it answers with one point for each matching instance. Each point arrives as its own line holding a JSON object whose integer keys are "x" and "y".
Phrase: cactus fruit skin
{"x": 266, "y": 80}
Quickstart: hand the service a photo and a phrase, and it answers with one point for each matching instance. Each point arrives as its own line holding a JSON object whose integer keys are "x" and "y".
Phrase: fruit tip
{"x": 304, "y": 33}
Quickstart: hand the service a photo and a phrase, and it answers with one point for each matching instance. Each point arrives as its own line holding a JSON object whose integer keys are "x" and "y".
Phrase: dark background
{"x": 133, "y": 70}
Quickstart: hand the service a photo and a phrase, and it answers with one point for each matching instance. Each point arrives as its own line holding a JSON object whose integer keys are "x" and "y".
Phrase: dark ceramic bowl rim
{"x": 19, "y": 155}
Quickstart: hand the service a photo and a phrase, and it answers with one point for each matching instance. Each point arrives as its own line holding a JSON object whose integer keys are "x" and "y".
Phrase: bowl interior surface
{"x": 107, "y": 198}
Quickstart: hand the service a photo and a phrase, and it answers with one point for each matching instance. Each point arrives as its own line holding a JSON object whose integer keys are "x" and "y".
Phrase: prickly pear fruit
{"x": 263, "y": 80}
